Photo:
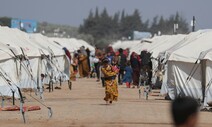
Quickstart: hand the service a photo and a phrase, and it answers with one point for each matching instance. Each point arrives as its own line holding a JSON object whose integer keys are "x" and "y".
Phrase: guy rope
{"x": 11, "y": 83}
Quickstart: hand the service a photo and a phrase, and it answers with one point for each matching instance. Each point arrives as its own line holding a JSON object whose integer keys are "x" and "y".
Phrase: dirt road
{"x": 83, "y": 106}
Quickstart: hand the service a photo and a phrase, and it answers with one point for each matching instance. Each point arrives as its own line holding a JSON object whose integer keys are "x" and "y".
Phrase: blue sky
{"x": 72, "y": 12}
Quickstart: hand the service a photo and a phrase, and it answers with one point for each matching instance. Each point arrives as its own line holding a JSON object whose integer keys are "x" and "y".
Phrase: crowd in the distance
{"x": 129, "y": 66}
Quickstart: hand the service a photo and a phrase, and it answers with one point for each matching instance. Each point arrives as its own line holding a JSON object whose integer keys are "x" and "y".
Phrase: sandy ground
{"x": 83, "y": 106}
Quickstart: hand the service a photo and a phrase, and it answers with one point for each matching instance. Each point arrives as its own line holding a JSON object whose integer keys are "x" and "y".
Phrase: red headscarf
{"x": 136, "y": 56}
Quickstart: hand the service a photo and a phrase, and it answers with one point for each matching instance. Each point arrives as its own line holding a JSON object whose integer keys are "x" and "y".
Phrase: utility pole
{"x": 193, "y": 23}
{"x": 175, "y": 28}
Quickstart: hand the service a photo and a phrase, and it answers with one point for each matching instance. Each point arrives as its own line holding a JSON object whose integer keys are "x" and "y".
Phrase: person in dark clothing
{"x": 122, "y": 64}
{"x": 185, "y": 111}
{"x": 136, "y": 67}
{"x": 97, "y": 66}
{"x": 150, "y": 73}
{"x": 98, "y": 55}
{"x": 146, "y": 57}
{"x": 88, "y": 58}
{"x": 147, "y": 65}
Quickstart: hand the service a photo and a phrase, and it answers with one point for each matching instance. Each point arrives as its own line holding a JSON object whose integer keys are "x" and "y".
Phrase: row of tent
{"x": 186, "y": 61}
{"x": 32, "y": 60}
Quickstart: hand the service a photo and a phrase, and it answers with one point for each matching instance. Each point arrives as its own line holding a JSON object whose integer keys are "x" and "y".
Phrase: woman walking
{"x": 136, "y": 66}
{"x": 111, "y": 88}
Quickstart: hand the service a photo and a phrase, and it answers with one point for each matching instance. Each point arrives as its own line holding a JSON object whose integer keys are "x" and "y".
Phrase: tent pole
{"x": 203, "y": 68}
{"x": 60, "y": 81}
{"x": 2, "y": 102}
{"x": 13, "y": 93}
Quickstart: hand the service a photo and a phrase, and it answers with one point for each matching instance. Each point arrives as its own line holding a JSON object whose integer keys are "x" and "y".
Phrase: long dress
{"x": 83, "y": 66}
{"x": 111, "y": 88}
{"x": 128, "y": 75}
{"x": 136, "y": 69}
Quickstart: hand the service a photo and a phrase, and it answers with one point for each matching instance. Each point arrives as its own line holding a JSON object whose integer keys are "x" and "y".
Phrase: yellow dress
{"x": 111, "y": 87}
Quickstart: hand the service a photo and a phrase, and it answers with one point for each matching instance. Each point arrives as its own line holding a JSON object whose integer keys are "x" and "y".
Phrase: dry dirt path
{"x": 83, "y": 106}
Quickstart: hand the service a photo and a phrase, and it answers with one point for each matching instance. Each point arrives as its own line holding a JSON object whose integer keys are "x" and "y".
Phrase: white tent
{"x": 155, "y": 45}
{"x": 162, "y": 43}
{"x": 71, "y": 44}
{"x": 25, "y": 73}
{"x": 125, "y": 44}
{"x": 21, "y": 57}
{"x": 19, "y": 40}
{"x": 206, "y": 69}
{"x": 181, "y": 59}
{"x": 7, "y": 63}
{"x": 57, "y": 65}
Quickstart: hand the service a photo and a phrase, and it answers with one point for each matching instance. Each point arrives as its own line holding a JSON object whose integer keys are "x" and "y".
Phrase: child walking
{"x": 128, "y": 75}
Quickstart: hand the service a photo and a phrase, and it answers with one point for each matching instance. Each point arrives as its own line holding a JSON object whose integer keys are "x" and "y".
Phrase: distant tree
{"x": 162, "y": 25}
{"x": 97, "y": 13}
{"x": 115, "y": 25}
{"x": 5, "y": 21}
{"x": 145, "y": 26}
{"x": 131, "y": 23}
{"x": 103, "y": 28}
{"x": 89, "y": 25}
{"x": 122, "y": 15}
{"x": 183, "y": 25}
{"x": 166, "y": 26}
{"x": 154, "y": 26}
{"x": 137, "y": 20}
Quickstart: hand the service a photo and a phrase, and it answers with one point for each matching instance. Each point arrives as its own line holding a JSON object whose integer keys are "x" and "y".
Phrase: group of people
{"x": 108, "y": 65}
{"x": 130, "y": 66}
{"x": 114, "y": 68}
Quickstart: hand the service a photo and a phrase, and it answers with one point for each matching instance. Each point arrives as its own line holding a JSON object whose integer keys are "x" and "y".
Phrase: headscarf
{"x": 82, "y": 49}
{"x": 133, "y": 55}
{"x": 105, "y": 60}
{"x": 68, "y": 54}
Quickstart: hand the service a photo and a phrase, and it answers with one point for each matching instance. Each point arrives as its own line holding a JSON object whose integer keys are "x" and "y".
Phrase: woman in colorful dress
{"x": 111, "y": 88}
{"x": 83, "y": 63}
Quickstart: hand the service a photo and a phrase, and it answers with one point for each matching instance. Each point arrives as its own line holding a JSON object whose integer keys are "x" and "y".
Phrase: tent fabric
{"x": 71, "y": 44}
{"x": 206, "y": 55}
{"x": 180, "y": 52}
{"x": 178, "y": 85}
{"x": 14, "y": 42}
{"x": 181, "y": 59}
{"x": 163, "y": 43}
{"x": 155, "y": 45}
{"x": 46, "y": 44}
{"x": 55, "y": 68}
{"x": 126, "y": 44}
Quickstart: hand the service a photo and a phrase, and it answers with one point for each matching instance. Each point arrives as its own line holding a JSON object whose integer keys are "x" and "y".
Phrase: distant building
{"x": 137, "y": 35}
{"x": 29, "y": 26}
